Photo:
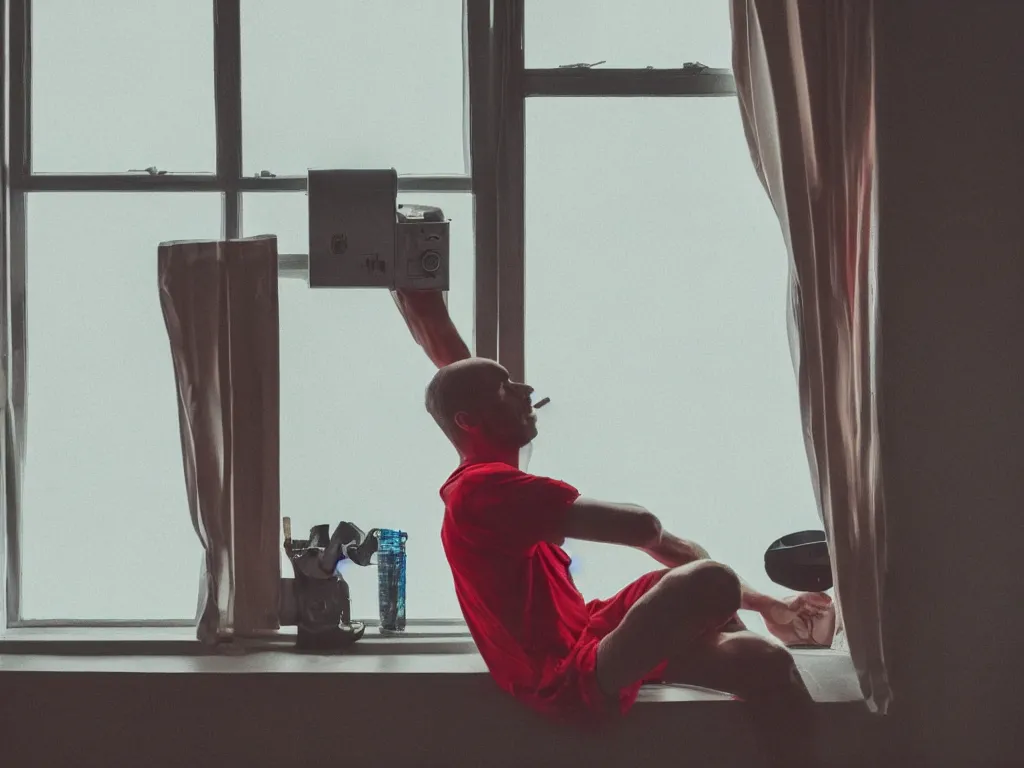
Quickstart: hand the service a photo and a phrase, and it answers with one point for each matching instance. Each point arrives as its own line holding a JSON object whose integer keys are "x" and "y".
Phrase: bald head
{"x": 459, "y": 387}
{"x": 474, "y": 400}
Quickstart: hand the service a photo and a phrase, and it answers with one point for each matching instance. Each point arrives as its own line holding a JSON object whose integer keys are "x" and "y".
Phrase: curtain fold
{"x": 805, "y": 78}
{"x": 220, "y": 308}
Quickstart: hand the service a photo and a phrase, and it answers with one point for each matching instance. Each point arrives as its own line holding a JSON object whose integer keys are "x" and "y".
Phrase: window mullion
{"x": 227, "y": 68}
{"x": 19, "y": 104}
{"x": 582, "y": 81}
{"x": 209, "y": 182}
{"x": 480, "y": 72}
{"x": 508, "y": 37}
{"x": 14, "y": 337}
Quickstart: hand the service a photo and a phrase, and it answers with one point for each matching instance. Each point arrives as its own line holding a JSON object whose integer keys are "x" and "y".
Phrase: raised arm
{"x": 426, "y": 314}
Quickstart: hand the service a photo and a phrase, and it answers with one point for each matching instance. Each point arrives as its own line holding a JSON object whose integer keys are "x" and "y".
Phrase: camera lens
{"x": 431, "y": 261}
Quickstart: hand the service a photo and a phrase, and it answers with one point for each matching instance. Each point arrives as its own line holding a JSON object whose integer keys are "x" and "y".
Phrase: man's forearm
{"x": 426, "y": 314}
{"x": 752, "y": 600}
{"x": 672, "y": 551}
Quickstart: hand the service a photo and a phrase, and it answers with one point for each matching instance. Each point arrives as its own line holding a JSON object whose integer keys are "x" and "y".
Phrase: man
{"x": 541, "y": 641}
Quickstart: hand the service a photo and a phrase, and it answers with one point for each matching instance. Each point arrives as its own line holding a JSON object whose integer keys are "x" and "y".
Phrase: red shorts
{"x": 576, "y": 686}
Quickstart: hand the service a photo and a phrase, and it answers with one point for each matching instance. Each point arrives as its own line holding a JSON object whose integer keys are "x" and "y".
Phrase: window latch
{"x": 690, "y": 68}
{"x": 152, "y": 171}
{"x": 581, "y": 65}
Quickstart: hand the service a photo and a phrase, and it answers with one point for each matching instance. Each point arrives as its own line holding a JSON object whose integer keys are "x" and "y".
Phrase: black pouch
{"x": 800, "y": 561}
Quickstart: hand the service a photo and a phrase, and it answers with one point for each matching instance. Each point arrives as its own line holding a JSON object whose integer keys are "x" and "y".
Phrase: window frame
{"x": 496, "y": 87}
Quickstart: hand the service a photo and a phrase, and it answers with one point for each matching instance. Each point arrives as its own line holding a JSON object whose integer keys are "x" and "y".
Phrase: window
{"x": 651, "y": 306}
{"x": 352, "y": 84}
{"x": 129, "y": 104}
{"x": 656, "y": 320}
{"x": 655, "y": 33}
{"x": 119, "y": 85}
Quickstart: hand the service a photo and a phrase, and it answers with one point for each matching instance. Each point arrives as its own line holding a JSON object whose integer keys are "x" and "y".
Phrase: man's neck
{"x": 487, "y": 456}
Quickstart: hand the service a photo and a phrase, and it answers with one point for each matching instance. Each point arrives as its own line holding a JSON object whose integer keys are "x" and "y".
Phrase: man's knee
{"x": 707, "y": 586}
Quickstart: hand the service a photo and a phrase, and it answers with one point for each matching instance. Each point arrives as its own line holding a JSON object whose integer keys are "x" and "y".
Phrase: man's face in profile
{"x": 499, "y": 411}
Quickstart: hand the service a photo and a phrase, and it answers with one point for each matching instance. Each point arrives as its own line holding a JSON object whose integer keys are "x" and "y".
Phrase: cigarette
{"x": 542, "y": 403}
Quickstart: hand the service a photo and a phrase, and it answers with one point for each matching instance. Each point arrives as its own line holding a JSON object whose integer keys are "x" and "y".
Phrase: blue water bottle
{"x": 391, "y": 579}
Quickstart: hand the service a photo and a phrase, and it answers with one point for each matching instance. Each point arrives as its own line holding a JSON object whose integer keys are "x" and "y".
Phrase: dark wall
{"x": 950, "y": 99}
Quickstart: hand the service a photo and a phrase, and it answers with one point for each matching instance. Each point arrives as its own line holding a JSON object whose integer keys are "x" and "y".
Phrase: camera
{"x": 359, "y": 237}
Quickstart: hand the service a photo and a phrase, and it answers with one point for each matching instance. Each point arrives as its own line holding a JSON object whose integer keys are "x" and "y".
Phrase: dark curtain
{"x": 805, "y": 77}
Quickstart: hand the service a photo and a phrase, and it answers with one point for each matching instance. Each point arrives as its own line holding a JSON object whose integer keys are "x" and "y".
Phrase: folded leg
{"x": 764, "y": 675}
{"x": 685, "y": 627}
{"x": 743, "y": 663}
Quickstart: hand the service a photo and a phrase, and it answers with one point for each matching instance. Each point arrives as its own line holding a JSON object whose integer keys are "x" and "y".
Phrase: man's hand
{"x": 804, "y": 619}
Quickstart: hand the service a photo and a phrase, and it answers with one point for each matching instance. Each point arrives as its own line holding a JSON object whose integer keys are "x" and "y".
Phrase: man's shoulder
{"x": 483, "y": 473}
{"x": 471, "y": 479}
{"x": 496, "y": 486}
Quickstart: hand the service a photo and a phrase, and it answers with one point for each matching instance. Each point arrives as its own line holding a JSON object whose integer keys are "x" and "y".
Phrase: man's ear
{"x": 465, "y": 421}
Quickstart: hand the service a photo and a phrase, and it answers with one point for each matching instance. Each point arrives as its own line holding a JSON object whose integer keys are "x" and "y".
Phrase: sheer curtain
{"x": 220, "y": 307}
{"x": 805, "y": 77}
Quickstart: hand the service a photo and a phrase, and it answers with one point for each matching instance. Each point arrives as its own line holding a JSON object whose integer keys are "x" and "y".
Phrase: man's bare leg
{"x": 689, "y": 618}
{"x": 743, "y": 663}
{"x": 764, "y": 675}
{"x": 678, "y": 614}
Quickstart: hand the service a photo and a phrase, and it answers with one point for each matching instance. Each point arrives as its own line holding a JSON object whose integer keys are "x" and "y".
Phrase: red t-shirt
{"x": 514, "y": 587}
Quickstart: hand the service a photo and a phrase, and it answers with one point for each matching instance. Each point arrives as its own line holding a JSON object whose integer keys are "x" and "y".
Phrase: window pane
{"x": 651, "y": 33}
{"x": 106, "y": 526}
{"x": 356, "y": 442}
{"x": 658, "y": 327}
{"x": 347, "y": 84}
{"x": 119, "y": 85}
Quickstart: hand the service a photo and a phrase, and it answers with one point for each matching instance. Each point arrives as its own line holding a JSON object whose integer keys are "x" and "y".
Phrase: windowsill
{"x": 423, "y": 699}
{"x": 424, "y": 649}
{"x": 182, "y": 640}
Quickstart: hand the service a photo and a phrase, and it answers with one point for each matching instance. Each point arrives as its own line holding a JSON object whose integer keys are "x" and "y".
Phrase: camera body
{"x": 359, "y": 237}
